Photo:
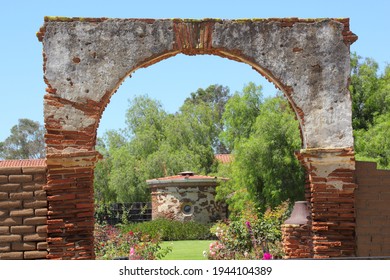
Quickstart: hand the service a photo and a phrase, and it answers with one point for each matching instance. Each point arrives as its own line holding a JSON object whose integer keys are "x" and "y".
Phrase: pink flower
{"x": 132, "y": 251}
{"x": 267, "y": 256}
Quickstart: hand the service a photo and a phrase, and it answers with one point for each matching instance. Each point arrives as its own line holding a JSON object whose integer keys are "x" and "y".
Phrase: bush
{"x": 250, "y": 237}
{"x": 170, "y": 230}
{"x": 111, "y": 243}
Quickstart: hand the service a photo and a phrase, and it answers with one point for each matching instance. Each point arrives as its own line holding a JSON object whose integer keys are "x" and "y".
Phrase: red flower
{"x": 267, "y": 256}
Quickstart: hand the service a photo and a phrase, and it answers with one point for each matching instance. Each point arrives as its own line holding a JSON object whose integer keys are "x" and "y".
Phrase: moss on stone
{"x": 57, "y": 18}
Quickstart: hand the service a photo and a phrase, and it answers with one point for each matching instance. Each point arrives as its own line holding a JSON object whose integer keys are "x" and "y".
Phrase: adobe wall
{"x": 23, "y": 210}
{"x": 372, "y": 202}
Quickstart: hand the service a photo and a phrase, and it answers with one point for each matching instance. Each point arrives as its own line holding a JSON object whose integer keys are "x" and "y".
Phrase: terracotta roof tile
{"x": 224, "y": 158}
{"x": 182, "y": 177}
{"x": 23, "y": 163}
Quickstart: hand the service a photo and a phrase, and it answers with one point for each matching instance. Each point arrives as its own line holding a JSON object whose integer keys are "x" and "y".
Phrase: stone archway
{"x": 86, "y": 60}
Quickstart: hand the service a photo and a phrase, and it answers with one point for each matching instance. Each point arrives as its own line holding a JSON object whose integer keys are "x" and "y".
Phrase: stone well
{"x": 186, "y": 197}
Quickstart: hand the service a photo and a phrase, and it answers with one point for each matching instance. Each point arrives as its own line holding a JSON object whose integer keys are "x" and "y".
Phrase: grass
{"x": 187, "y": 249}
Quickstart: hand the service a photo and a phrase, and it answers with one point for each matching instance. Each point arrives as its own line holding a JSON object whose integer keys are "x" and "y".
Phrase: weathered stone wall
{"x": 372, "y": 201}
{"x": 23, "y": 210}
{"x": 168, "y": 202}
{"x": 87, "y": 59}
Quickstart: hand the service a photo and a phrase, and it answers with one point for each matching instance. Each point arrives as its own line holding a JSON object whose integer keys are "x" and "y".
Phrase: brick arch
{"x": 86, "y": 60}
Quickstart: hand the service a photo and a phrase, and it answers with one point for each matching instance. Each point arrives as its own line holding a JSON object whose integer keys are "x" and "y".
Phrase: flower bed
{"x": 111, "y": 243}
{"x": 250, "y": 237}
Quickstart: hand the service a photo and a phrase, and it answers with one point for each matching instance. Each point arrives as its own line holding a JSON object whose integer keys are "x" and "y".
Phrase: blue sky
{"x": 172, "y": 80}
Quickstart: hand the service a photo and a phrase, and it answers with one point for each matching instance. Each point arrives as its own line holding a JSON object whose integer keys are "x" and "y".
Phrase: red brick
{"x": 54, "y": 239}
{"x": 85, "y": 205}
{"x": 61, "y": 197}
{"x": 54, "y": 230}
{"x": 85, "y": 214}
{"x": 55, "y": 221}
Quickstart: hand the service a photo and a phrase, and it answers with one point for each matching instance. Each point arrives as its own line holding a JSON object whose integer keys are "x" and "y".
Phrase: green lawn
{"x": 187, "y": 249}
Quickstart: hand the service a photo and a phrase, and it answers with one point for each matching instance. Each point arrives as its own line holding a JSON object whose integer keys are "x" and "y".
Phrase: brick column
{"x": 331, "y": 176}
{"x": 70, "y": 205}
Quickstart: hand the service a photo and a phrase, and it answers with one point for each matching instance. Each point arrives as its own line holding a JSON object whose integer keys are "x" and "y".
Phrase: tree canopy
{"x": 265, "y": 171}
{"x": 25, "y": 142}
{"x": 261, "y": 134}
{"x": 370, "y": 92}
{"x": 155, "y": 144}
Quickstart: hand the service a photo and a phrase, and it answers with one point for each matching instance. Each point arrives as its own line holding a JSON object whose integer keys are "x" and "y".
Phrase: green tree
{"x": 265, "y": 171}
{"x": 215, "y": 97}
{"x": 240, "y": 114}
{"x": 26, "y": 141}
{"x": 145, "y": 121}
{"x": 364, "y": 88}
{"x": 193, "y": 129}
{"x": 370, "y": 92}
{"x": 126, "y": 176}
{"x": 155, "y": 144}
{"x": 111, "y": 141}
{"x": 374, "y": 144}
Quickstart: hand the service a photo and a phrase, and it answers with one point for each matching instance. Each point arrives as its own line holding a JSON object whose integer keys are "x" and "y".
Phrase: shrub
{"x": 111, "y": 243}
{"x": 170, "y": 230}
{"x": 250, "y": 237}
